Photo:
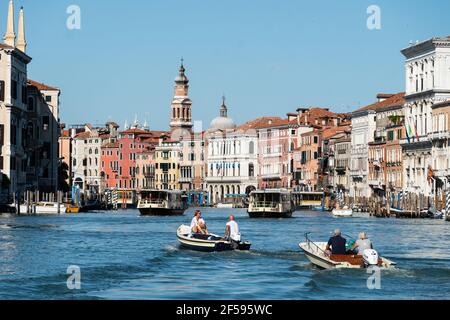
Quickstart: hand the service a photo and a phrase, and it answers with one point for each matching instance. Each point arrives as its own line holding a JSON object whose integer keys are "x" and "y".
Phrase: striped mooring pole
{"x": 115, "y": 199}
{"x": 447, "y": 204}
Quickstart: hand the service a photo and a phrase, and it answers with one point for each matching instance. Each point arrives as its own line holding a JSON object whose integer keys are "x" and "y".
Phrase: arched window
{"x": 90, "y": 151}
{"x": 96, "y": 151}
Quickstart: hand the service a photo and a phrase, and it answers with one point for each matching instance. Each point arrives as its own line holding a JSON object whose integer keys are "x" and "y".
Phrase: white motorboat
{"x": 345, "y": 212}
{"x": 43, "y": 208}
{"x": 209, "y": 243}
{"x": 315, "y": 252}
{"x": 225, "y": 206}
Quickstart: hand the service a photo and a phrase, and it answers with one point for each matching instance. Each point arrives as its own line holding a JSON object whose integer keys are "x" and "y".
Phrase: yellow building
{"x": 167, "y": 165}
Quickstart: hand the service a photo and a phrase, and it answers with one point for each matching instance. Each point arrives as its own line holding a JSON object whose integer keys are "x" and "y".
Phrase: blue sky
{"x": 267, "y": 57}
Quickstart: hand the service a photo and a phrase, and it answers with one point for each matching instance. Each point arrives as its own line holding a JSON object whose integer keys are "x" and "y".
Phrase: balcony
{"x": 439, "y": 135}
{"x": 377, "y": 183}
{"x": 185, "y": 180}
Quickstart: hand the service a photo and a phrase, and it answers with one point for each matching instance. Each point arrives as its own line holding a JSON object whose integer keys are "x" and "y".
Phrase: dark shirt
{"x": 337, "y": 244}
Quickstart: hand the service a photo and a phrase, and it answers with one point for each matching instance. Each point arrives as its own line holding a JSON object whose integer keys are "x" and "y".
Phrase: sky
{"x": 268, "y": 57}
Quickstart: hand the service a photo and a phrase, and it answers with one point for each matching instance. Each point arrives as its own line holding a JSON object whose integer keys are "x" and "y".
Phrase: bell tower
{"x": 181, "y": 117}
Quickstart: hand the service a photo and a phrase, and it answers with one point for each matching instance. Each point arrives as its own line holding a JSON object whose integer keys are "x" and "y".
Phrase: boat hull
{"x": 161, "y": 212}
{"x": 269, "y": 214}
{"x": 315, "y": 254}
{"x": 188, "y": 241}
{"x": 342, "y": 213}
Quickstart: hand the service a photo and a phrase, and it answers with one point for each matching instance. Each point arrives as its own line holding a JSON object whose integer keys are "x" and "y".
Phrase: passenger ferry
{"x": 308, "y": 199}
{"x": 162, "y": 202}
{"x": 271, "y": 203}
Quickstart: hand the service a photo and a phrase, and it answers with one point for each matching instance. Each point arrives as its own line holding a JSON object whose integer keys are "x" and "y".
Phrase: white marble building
{"x": 363, "y": 131}
{"x": 427, "y": 77}
{"x": 232, "y": 160}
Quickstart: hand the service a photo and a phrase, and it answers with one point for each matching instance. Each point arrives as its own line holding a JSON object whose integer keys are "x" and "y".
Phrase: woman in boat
{"x": 363, "y": 243}
{"x": 198, "y": 224}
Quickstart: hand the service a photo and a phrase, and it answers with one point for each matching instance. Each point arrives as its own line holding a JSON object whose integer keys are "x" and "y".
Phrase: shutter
{"x": 2, "y": 90}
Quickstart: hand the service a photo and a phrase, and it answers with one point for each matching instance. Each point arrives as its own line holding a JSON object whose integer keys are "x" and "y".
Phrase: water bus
{"x": 162, "y": 202}
{"x": 308, "y": 199}
{"x": 270, "y": 203}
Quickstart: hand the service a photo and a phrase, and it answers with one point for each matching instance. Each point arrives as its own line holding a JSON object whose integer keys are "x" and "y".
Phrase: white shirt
{"x": 234, "y": 230}
{"x": 194, "y": 222}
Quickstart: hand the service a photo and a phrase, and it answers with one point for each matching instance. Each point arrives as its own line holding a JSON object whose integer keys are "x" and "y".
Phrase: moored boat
{"x": 345, "y": 212}
{"x": 162, "y": 202}
{"x": 208, "y": 243}
{"x": 270, "y": 203}
{"x": 316, "y": 254}
{"x": 43, "y": 208}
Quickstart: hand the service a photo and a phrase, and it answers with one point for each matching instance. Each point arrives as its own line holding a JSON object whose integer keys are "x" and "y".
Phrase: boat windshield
{"x": 267, "y": 200}
{"x": 156, "y": 197}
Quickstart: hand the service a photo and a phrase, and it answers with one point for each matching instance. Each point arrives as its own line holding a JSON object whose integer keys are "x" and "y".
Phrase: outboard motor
{"x": 370, "y": 258}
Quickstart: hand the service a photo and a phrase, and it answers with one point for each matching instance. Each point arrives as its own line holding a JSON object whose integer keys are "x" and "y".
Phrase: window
{"x": 45, "y": 122}
{"x": 251, "y": 170}
{"x": 14, "y": 89}
{"x": 48, "y": 98}
{"x": 24, "y": 94}
{"x": 2, "y": 90}
{"x": 30, "y": 106}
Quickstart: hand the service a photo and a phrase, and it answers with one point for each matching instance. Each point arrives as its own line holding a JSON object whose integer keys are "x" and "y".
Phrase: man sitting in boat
{"x": 363, "y": 243}
{"x": 198, "y": 225}
{"x": 336, "y": 244}
{"x": 232, "y": 231}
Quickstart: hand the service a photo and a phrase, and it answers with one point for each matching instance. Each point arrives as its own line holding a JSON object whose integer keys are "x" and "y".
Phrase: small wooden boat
{"x": 72, "y": 209}
{"x": 315, "y": 252}
{"x": 208, "y": 243}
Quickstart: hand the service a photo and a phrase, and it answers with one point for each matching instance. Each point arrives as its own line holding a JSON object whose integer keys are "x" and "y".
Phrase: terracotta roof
{"x": 111, "y": 145}
{"x": 83, "y": 135}
{"x": 41, "y": 86}
{"x": 330, "y": 132}
{"x": 65, "y": 133}
{"x": 264, "y": 122}
{"x": 134, "y": 131}
{"x": 395, "y": 100}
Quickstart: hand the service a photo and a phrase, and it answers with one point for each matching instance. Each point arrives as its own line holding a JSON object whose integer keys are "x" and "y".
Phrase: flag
{"x": 415, "y": 128}
{"x": 407, "y": 128}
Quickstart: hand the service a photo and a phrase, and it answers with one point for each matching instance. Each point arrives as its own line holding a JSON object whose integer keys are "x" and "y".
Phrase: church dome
{"x": 222, "y": 122}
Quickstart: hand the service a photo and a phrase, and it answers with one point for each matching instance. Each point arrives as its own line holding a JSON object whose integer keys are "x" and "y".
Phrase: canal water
{"x": 124, "y": 256}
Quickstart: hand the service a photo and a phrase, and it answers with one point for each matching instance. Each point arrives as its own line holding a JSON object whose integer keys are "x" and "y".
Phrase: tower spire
{"x": 10, "y": 36}
{"x": 223, "y": 108}
{"x": 21, "y": 42}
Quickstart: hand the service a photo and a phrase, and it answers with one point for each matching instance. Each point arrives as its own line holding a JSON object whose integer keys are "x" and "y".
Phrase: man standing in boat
{"x": 232, "y": 232}
{"x": 336, "y": 244}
